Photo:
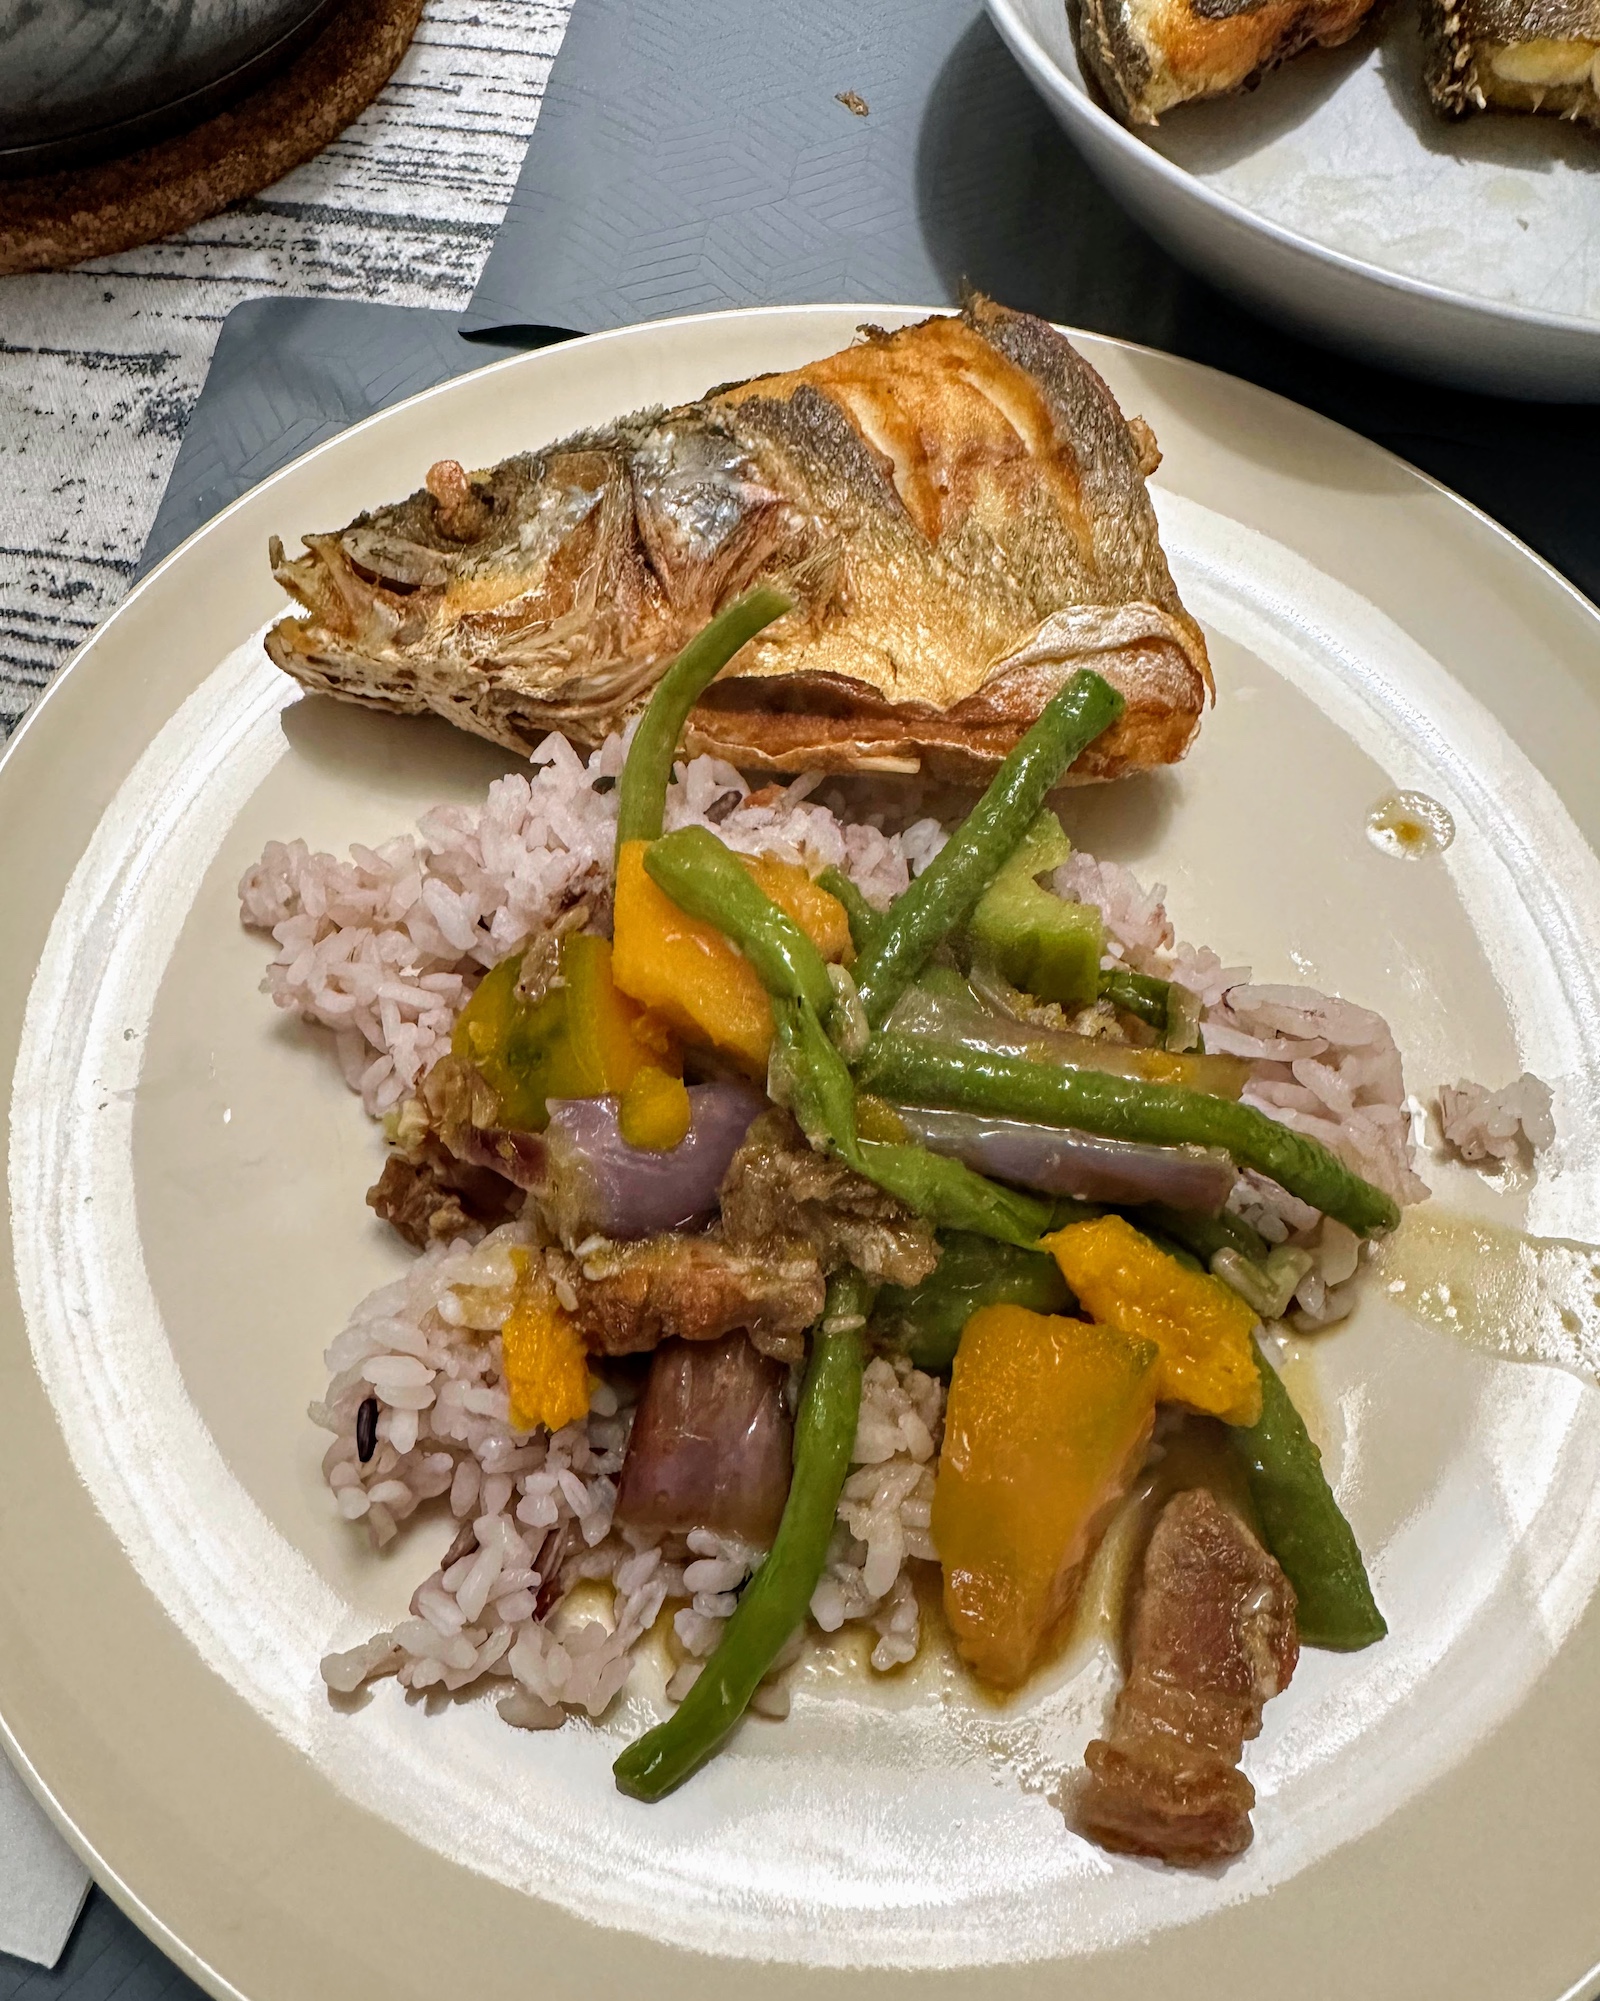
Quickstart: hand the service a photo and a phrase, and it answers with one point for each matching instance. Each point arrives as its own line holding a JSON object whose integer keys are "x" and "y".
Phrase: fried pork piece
{"x": 780, "y": 1194}
{"x": 626, "y": 1298}
{"x": 1213, "y": 1639}
{"x": 959, "y": 506}
{"x": 1514, "y": 55}
{"x": 452, "y": 1166}
{"x": 430, "y": 1196}
{"x": 1150, "y": 55}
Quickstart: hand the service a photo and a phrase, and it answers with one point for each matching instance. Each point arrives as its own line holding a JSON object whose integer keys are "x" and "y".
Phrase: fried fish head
{"x": 959, "y": 509}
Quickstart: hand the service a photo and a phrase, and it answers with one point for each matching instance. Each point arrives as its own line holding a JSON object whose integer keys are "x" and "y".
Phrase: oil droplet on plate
{"x": 1525, "y": 1299}
{"x": 1409, "y": 825}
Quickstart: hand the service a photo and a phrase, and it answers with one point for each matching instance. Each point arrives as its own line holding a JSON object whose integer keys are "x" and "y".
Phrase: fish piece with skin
{"x": 1513, "y": 55}
{"x": 1212, "y": 1640}
{"x": 1148, "y": 56}
{"x": 958, "y": 507}
{"x": 711, "y": 1443}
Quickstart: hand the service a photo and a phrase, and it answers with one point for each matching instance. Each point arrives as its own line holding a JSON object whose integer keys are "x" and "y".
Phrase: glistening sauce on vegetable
{"x": 1409, "y": 825}
{"x": 1523, "y": 1298}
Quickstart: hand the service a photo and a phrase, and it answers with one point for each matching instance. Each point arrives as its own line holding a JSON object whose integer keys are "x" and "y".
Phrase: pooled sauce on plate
{"x": 1410, "y": 825}
{"x": 1520, "y": 1297}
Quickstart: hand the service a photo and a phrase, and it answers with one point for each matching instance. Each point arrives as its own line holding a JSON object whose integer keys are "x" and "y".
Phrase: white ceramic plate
{"x": 1332, "y": 199}
{"x": 186, "y": 1231}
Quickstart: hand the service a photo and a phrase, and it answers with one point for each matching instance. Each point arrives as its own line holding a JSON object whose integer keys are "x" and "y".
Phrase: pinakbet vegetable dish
{"x": 831, "y": 1220}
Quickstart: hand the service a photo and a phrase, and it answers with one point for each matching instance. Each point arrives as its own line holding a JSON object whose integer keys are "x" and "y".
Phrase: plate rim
{"x": 105, "y": 1877}
{"x": 1054, "y": 84}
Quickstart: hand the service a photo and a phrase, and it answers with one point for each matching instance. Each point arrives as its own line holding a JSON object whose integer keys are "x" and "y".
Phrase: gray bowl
{"x": 1398, "y": 318}
{"x": 82, "y": 79}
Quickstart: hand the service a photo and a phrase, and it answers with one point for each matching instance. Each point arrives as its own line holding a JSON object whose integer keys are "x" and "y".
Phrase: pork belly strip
{"x": 959, "y": 506}
{"x": 1212, "y": 1640}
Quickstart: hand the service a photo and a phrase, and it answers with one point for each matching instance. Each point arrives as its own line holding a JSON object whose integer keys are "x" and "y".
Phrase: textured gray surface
{"x": 690, "y": 154}
{"x": 288, "y": 373}
{"x": 696, "y": 154}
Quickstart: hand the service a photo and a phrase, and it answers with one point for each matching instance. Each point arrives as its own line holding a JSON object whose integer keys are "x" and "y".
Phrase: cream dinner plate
{"x": 186, "y": 1233}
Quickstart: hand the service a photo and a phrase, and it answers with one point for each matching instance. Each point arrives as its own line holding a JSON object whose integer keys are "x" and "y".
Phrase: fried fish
{"x": 959, "y": 509}
{"x": 1150, "y": 55}
{"x": 1514, "y": 55}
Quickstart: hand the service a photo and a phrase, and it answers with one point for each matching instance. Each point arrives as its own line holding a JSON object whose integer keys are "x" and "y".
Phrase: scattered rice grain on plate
{"x": 1488, "y": 1128}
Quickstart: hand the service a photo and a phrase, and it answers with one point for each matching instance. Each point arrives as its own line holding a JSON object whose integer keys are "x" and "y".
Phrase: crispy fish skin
{"x": 1150, "y": 55}
{"x": 1513, "y": 55}
{"x": 959, "y": 508}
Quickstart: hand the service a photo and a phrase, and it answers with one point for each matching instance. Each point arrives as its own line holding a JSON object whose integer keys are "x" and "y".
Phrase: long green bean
{"x": 924, "y": 1322}
{"x": 704, "y": 877}
{"x": 775, "y": 1601}
{"x": 946, "y": 893}
{"x": 1302, "y": 1523}
{"x": 642, "y": 788}
{"x": 865, "y": 922}
{"x": 952, "y": 1196}
{"x": 979, "y": 1080}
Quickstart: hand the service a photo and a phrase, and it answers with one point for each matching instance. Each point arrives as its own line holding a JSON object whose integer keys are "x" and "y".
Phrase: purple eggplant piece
{"x": 596, "y": 1183}
{"x": 711, "y": 1445}
{"x": 1057, "y": 1161}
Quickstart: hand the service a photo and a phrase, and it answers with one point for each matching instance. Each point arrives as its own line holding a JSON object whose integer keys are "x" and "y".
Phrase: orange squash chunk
{"x": 582, "y": 1040}
{"x": 1202, "y": 1327}
{"x": 545, "y": 1365}
{"x": 1046, "y": 1424}
{"x": 691, "y": 976}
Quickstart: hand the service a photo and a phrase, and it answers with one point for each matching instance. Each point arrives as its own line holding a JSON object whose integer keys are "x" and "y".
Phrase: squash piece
{"x": 582, "y": 1039}
{"x": 1046, "y": 1425}
{"x": 655, "y": 1111}
{"x": 689, "y": 974}
{"x": 545, "y": 1364}
{"x": 1202, "y": 1327}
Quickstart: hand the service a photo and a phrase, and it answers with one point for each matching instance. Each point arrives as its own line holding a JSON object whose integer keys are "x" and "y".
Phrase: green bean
{"x": 946, "y": 893}
{"x": 705, "y": 878}
{"x": 1138, "y": 994}
{"x": 924, "y": 1322}
{"x": 952, "y": 1196}
{"x": 822, "y": 1097}
{"x": 642, "y": 789}
{"x": 865, "y": 922}
{"x": 821, "y": 1091}
{"x": 1203, "y": 1235}
{"x": 1302, "y": 1525}
{"x": 1096, "y": 1101}
{"x": 776, "y": 1599}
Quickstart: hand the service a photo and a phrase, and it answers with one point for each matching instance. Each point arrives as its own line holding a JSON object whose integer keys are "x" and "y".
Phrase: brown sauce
{"x": 1410, "y": 826}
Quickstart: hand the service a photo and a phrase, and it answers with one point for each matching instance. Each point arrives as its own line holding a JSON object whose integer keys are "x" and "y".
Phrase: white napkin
{"x": 42, "y": 1883}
